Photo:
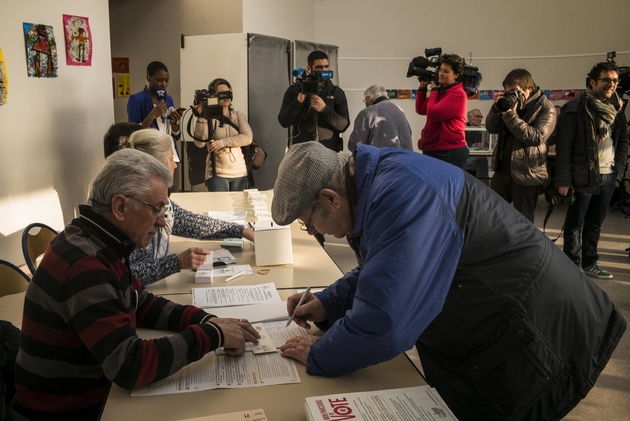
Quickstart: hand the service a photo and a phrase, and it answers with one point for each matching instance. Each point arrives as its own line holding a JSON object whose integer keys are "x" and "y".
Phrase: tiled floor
{"x": 610, "y": 398}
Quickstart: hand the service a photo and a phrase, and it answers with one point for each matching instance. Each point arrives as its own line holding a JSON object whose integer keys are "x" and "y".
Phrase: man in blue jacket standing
{"x": 506, "y": 326}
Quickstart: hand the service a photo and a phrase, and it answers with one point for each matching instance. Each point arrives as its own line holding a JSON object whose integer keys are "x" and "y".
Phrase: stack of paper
{"x": 235, "y": 296}
{"x": 411, "y": 403}
{"x": 237, "y": 216}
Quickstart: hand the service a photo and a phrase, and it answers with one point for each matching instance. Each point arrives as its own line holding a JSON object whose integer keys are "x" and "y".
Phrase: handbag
{"x": 255, "y": 154}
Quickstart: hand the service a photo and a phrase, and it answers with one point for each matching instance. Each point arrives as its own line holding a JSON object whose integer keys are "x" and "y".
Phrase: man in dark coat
{"x": 322, "y": 117}
{"x": 592, "y": 150}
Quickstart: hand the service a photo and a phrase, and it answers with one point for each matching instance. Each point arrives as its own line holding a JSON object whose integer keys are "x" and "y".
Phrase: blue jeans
{"x": 584, "y": 222}
{"x": 457, "y": 157}
{"x": 226, "y": 184}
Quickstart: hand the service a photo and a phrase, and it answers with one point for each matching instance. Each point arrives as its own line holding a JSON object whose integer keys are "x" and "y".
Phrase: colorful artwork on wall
{"x": 41, "y": 50}
{"x": 123, "y": 86}
{"x": 4, "y": 80}
{"x": 78, "y": 40}
{"x": 122, "y": 81}
{"x": 120, "y": 65}
{"x": 485, "y": 94}
{"x": 559, "y": 94}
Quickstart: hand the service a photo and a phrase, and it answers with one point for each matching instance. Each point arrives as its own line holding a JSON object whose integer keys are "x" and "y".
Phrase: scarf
{"x": 163, "y": 235}
{"x": 602, "y": 113}
{"x": 533, "y": 97}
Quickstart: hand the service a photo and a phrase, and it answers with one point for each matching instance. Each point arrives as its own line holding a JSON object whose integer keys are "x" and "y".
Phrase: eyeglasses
{"x": 477, "y": 116}
{"x": 307, "y": 226}
{"x": 157, "y": 212}
{"x": 607, "y": 80}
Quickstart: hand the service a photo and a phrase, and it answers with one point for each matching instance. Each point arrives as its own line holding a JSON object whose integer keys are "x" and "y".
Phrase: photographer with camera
{"x": 320, "y": 116}
{"x": 524, "y": 119}
{"x": 591, "y": 151}
{"x": 443, "y": 136}
{"x": 226, "y": 169}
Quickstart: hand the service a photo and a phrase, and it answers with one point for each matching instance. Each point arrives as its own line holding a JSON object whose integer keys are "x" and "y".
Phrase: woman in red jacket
{"x": 443, "y": 136}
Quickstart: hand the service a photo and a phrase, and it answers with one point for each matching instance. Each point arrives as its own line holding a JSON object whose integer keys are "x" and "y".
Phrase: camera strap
{"x": 190, "y": 133}
{"x": 549, "y": 212}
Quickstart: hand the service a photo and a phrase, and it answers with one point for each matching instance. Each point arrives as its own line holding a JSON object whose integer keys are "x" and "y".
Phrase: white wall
{"x": 377, "y": 39}
{"x": 51, "y": 130}
{"x": 149, "y": 30}
{"x": 291, "y": 19}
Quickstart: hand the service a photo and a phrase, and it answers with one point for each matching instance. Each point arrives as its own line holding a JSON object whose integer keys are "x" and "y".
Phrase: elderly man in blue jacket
{"x": 506, "y": 326}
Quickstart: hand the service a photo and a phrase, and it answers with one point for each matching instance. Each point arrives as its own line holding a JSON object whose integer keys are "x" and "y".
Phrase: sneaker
{"x": 597, "y": 271}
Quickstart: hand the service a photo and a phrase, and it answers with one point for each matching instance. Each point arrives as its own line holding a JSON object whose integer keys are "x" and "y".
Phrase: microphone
{"x": 160, "y": 95}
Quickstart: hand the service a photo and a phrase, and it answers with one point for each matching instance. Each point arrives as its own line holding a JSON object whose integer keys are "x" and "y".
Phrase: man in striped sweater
{"x": 83, "y": 305}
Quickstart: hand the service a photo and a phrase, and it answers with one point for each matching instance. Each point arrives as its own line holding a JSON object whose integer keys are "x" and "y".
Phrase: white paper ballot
{"x": 238, "y": 216}
{"x": 235, "y": 295}
{"x": 255, "y": 313}
{"x": 232, "y": 270}
{"x": 215, "y": 371}
{"x": 223, "y": 255}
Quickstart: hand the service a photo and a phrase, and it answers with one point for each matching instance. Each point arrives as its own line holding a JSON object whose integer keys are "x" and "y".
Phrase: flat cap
{"x": 305, "y": 170}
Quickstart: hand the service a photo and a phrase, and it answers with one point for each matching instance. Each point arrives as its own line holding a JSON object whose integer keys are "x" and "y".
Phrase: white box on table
{"x": 272, "y": 243}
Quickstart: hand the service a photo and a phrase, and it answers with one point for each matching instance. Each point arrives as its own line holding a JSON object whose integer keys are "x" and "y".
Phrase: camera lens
{"x": 508, "y": 100}
{"x": 505, "y": 103}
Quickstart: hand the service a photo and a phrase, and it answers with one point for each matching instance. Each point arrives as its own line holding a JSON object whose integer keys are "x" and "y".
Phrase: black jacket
{"x": 331, "y": 121}
{"x": 577, "y": 162}
{"x": 524, "y": 333}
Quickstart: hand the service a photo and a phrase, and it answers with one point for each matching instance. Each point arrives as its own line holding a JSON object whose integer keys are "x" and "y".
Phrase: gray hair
{"x": 375, "y": 91}
{"x": 151, "y": 141}
{"x": 470, "y": 113}
{"x": 128, "y": 172}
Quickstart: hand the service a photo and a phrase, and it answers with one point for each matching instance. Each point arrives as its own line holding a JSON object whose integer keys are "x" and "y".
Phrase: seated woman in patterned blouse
{"x": 153, "y": 263}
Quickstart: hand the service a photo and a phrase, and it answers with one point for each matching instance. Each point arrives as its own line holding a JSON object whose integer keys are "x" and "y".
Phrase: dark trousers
{"x": 584, "y": 222}
{"x": 457, "y": 157}
{"x": 524, "y": 198}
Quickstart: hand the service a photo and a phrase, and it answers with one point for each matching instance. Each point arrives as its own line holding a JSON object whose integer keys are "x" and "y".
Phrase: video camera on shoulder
{"x": 210, "y": 99}
{"x": 311, "y": 83}
{"x": 419, "y": 67}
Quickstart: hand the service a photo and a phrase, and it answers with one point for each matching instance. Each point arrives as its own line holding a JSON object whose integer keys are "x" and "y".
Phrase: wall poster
{"x": 41, "y": 50}
{"x": 78, "y": 40}
{"x": 4, "y": 80}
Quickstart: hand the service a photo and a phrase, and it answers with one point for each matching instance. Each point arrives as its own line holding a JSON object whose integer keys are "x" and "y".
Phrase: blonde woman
{"x": 153, "y": 263}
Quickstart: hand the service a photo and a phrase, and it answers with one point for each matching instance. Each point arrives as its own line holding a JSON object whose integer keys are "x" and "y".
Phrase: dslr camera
{"x": 210, "y": 100}
{"x": 311, "y": 83}
{"x": 559, "y": 199}
{"x": 419, "y": 67}
{"x": 509, "y": 99}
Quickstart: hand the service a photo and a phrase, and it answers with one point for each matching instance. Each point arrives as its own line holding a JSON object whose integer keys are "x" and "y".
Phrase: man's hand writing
{"x": 312, "y": 309}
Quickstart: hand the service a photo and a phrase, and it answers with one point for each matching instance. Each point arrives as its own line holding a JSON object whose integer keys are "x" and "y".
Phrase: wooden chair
{"x": 12, "y": 279}
{"x": 35, "y": 240}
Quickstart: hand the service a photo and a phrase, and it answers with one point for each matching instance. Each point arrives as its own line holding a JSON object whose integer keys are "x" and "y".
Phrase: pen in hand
{"x": 304, "y": 297}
